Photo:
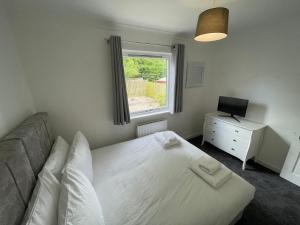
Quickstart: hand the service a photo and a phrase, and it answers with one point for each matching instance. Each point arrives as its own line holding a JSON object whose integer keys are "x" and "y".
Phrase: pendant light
{"x": 212, "y": 25}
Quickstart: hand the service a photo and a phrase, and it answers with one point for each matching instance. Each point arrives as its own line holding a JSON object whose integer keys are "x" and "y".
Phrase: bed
{"x": 137, "y": 182}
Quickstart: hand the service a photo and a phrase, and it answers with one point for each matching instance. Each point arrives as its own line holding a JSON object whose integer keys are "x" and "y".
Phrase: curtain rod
{"x": 142, "y": 43}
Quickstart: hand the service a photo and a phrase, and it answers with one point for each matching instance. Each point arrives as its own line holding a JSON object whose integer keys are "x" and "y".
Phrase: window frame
{"x": 169, "y": 94}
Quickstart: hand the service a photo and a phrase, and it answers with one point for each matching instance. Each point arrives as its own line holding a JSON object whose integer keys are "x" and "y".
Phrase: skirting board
{"x": 264, "y": 164}
{"x": 187, "y": 137}
{"x": 269, "y": 166}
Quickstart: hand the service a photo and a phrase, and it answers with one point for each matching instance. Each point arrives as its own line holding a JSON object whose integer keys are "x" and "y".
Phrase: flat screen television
{"x": 233, "y": 106}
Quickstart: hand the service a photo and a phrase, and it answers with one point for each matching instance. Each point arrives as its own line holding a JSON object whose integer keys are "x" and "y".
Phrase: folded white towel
{"x": 208, "y": 164}
{"x": 167, "y": 139}
{"x": 216, "y": 180}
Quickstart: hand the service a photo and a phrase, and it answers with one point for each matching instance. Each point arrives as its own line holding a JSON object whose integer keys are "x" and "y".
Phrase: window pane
{"x": 146, "y": 82}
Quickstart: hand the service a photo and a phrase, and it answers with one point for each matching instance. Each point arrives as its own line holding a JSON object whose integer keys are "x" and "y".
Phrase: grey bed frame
{"x": 23, "y": 153}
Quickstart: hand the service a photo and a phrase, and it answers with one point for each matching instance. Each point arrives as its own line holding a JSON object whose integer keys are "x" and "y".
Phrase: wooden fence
{"x": 139, "y": 87}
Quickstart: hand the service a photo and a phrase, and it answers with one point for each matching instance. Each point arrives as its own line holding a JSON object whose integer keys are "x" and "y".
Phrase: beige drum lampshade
{"x": 212, "y": 25}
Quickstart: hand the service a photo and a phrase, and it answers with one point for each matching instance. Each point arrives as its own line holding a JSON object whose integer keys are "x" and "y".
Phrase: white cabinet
{"x": 240, "y": 139}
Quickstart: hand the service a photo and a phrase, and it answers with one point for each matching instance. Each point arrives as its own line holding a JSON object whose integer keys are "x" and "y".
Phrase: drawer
{"x": 232, "y": 144}
{"x": 218, "y": 134}
{"x": 238, "y": 141}
{"x": 210, "y": 120}
{"x": 214, "y": 124}
{"x": 210, "y": 130}
{"x": 211, "y": 140}
{"x": 214, "y": 139}
{"x": 240, "y": 132}
{"x": 238, "y": 149}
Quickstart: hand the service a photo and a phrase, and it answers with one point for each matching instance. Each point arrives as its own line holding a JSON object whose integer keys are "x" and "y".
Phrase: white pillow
{"x": 58, "y": 157}
{"x": 80, "y": 156}
{"x": 78, "y": 202}
{"x": 42, "y": 208}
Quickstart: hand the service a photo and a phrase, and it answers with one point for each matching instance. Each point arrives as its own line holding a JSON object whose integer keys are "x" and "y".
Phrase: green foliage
{"x": 150, "y": 69}
{"x": 131, "y": 67}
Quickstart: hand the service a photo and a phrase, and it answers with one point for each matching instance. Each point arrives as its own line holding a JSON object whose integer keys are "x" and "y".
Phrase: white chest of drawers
{"x": 240, "y": 139}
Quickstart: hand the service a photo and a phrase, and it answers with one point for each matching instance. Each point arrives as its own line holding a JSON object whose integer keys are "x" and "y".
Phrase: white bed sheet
{"x": 140, "y": 183}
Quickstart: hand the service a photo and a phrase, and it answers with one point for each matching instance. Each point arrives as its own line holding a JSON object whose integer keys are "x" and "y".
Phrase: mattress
{"x": 140, "y": 183}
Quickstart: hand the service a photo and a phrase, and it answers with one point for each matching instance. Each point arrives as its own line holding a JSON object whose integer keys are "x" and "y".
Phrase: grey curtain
{"x": 178, "y": 54}
{"x": 121, "y": 109}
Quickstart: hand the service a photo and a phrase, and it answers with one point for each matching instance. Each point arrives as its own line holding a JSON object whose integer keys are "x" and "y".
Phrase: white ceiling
{"x": 179, "y": 16}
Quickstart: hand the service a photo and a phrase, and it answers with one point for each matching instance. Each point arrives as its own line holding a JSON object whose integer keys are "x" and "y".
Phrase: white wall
{"x": 15, "y": 98}
{"x": 67, "y": 62}
{"x": 263, "y": 65}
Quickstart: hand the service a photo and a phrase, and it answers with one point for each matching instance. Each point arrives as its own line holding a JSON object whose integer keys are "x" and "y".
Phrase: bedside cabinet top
{"x": 244, "y": 123}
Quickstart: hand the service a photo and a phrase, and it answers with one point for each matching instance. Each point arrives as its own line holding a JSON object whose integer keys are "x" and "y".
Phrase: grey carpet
{"x": 276, "y": 201}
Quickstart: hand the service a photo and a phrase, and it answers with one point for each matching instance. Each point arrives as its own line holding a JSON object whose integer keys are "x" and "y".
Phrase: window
{"x": 148, "y": 81}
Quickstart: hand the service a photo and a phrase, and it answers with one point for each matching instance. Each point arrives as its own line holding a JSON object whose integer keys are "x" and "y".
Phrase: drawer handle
{"x": 214, "y": 131}
{"x": 234, "y": 140}
{"x": 215, "y": 123}
{"x": 236, "y": 131}
{"x": 232, "y": 149}
{"x": 212, "y": 139}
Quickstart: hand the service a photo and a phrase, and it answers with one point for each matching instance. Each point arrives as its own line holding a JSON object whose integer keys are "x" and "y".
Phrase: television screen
{"x": 233, "y": 106}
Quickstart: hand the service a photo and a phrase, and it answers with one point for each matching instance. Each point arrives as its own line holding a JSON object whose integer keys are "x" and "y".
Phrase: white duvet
{"x": 138, "y": 183}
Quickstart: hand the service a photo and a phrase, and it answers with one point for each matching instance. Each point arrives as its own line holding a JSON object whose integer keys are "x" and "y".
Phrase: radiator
{"x": 150, "y": 128}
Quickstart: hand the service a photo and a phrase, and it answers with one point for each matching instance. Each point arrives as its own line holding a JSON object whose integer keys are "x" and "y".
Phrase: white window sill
{"x": 148, "y": 114}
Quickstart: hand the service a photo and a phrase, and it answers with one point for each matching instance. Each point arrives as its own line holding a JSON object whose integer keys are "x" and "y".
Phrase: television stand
{"x": 231, "y": 116}
{"x": 241, "y": 140}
